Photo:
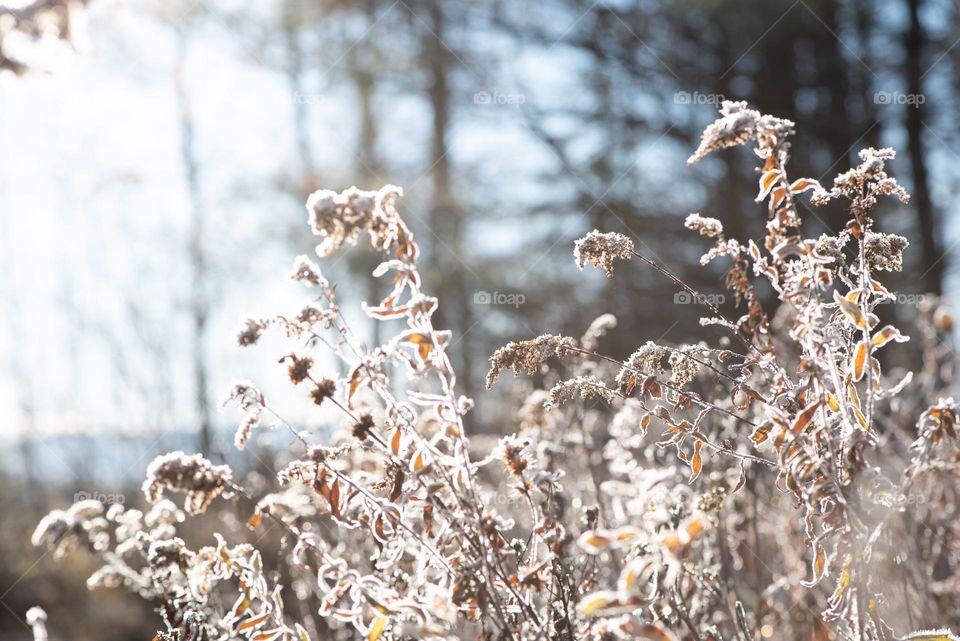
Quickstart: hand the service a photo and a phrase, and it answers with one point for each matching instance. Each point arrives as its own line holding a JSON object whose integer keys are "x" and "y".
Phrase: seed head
{"x": 323, "y": 390}
{"x": 600, "y": 250}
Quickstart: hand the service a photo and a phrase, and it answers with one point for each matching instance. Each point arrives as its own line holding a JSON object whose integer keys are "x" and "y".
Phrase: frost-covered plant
{"x": 772, "y": 484}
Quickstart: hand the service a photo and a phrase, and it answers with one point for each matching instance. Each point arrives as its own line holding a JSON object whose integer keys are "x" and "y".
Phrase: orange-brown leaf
{"x": 887, "y": 334}
{"x": 803, "y": 418}
{"x": 767, "y": 181}
{"x": 803, "y": 184}
{"x": 395, "y": 441}
{"x": 859, "y": 364}
{"x": 697, "y": 463}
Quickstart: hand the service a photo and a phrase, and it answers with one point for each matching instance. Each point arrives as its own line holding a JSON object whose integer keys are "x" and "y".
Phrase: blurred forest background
{"x": 152, "y": 189}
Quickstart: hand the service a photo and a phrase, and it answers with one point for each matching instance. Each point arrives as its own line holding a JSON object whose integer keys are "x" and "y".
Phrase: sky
{"x": 94, "y": 213}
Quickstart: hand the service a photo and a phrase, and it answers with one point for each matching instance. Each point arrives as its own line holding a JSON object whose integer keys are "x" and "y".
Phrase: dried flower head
{"x": 324, "y": 389}
{"x": 830, "y": 248}
{"x": 938, "y": 422}
{"x": 685, "y": 363}
{"x": 600, "y": 250}
{"x": 710, "y": 227}
{"x": 712, "y": 501}
{"x": 736, "y": 126}
{"x": 649, "y": 359}
{"x": 885, "y": 251}
{"x": 306, "y": 271}
{"x": 865, "y": 182}
{"x": 250, "y": 331}
{"x": 520, "y": 356}
{"x": 198, "y": 478}
{"x": 251, "y": 402}
{"x": 339, "y": 218}
{"x": 59, "y": 531}
{"x": 512, "y": 451}
{"x": 362, "y": 427}
{"x": 739, "y": 125}
{"x": 299, "y": 368}
{"x": 588, "y": 387}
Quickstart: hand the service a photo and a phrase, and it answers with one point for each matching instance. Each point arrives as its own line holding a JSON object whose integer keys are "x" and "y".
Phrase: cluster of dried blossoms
{"x": 776, "y": 485}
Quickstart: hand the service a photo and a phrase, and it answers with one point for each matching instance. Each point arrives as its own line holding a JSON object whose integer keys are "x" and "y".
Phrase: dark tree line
{"x": 607, "y": 144}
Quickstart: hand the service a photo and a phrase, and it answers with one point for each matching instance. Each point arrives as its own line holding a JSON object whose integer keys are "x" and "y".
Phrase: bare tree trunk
{"x": 834, "y": 76}
{"x": 298, "y": 97}
{"x": 933, "y": 260}
{"x": 199, "y": 309}
{"x": 362, "y": 67}
{"x": 446, "y": 217}
{"x": 860, "y": 82}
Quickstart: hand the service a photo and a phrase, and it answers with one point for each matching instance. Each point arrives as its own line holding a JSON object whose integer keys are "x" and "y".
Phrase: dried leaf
{"x": 301, "y": 633}
{"x": 832, "y": 402}
{"x": 597, "y": 601}
{"x": 767, "y": 181}
{"x": 395, "y": 441}
{"x": 852, "y": 312}
{"x": 859, "y": 364}
{"x": 804, "y": 417}
{"x": 887, "y": 334}
{"x": 943, "y": 634}
{"x": 253, "y": 622}
{"x": 801, "y": 185}
{"x": 697, "y": 463}
{"x": 376, "y": 628}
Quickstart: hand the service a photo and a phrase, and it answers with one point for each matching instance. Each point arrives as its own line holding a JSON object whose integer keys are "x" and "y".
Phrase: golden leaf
{"x": 832, "y": 402}
{"x": 932, "y": 635}
{"x": 593, "y": 542}
{"x": 301, "y": 633}
{"x": 859, "y": 365}
{"x": 887, "y": 334}
{"x": 376, "y": 629}
{"x": 597, "y": 601}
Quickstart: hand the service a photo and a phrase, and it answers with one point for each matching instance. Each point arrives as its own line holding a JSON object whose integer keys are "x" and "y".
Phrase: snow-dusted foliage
{"x": 770, "y": 481}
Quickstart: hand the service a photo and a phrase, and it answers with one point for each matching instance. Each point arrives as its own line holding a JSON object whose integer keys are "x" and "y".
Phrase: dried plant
{"x": 777, "y": 484}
